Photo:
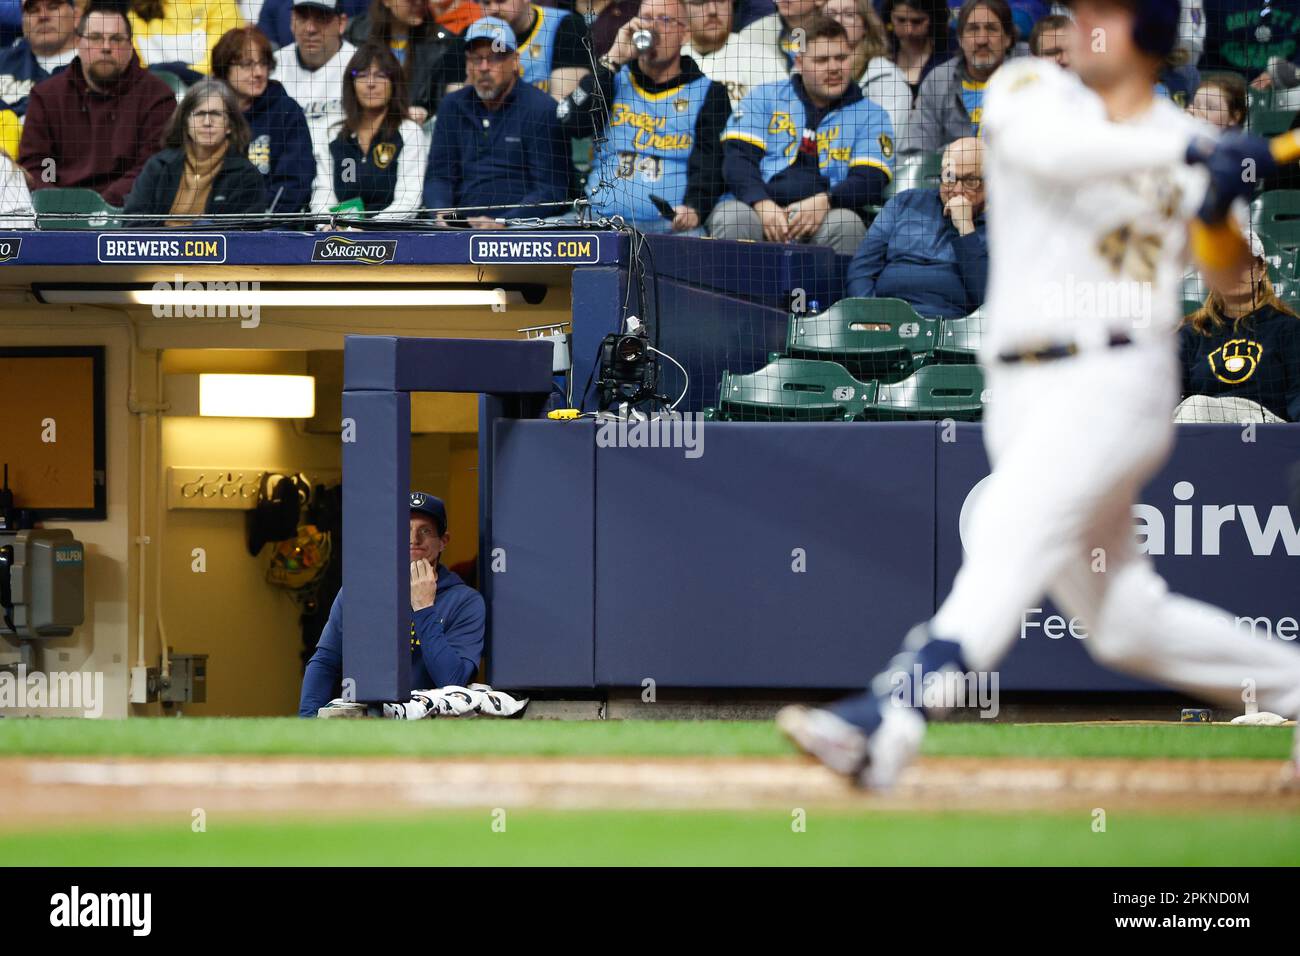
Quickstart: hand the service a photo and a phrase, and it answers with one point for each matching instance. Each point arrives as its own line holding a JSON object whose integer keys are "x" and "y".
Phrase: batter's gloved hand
{"x": 1236, "y": 163}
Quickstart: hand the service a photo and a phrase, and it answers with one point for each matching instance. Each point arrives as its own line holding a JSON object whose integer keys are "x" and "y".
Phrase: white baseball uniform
{"x": 1087, "y": 235}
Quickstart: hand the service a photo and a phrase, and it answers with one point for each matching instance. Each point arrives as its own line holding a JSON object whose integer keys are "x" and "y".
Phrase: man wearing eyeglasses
{"x": 447, "y": 618}
{"x": 927, "y": 247}
{"x": 97, "y": 123}
{"x": 497, "y": 142}
{"x": 659, "y": 164}
{"x": 951, "y": 100}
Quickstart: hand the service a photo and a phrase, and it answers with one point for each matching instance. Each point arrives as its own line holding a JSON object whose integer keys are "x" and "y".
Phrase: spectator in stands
{"x": 1242, "y": 346}
{"x": 777, "y": 30}
{"x": 1221, "y": 101}
{"x": 455, "y": 15}
{"x": 15, "y": 198}
{"x": 1050, "y": 39}
{"x": 1284, "y": 77}
{"x": 312, "y": 68}
{"x": 377, "y": 155}
{"x": 275, "y": 19}
{"x": 803, "y": 157}
{"x": 929, "y": 248}
{"x": 919, "y": 38}
{"x": 1244, "y": 35}
{"x": 498, "y": 142}
{"x": 95, "y": 124}
{"x": 952, "y": 96}
{"x": 660, "y": 163}
{"x": 178, "y": 35}
{"x": 429, "y": 55}
{"x": 751, "y": 11}
{"x": 881, "y": 80}
{"x": 48, "y": 44}
{"x": 280, "y": 143}
{"x": 552, "y": 44}
{"x": 726, "y": 57}
{"x": 604, "y": 18}
{"x": 201, "y": 171}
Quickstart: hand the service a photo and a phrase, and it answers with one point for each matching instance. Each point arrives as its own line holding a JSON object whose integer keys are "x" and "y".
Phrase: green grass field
{"x": 446, "y": 738}
{"x": 1269, "y": 836}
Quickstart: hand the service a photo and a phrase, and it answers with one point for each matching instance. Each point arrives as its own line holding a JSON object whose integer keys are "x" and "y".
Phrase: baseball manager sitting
{"x": 446, "y": 625}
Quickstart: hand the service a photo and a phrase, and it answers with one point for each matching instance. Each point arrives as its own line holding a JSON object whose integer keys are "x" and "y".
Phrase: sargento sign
{"x": 10, "y": 246}
{"x": 565, "y": 248}
{"x": 162, "y": 248}
{"x": 342, "y": 249}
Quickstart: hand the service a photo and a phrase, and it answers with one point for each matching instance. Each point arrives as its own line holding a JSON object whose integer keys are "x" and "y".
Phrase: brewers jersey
{"x": 647, "y": 148}
{"x": 1086, "y": 217}
{"x": 537, "y": 49}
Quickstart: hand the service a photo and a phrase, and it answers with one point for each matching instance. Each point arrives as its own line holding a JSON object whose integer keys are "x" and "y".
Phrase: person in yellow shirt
{"x": 178, "y": 35}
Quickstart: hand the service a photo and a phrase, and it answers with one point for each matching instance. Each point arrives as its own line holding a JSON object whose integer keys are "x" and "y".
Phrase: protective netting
{"x": 833, "y": 148}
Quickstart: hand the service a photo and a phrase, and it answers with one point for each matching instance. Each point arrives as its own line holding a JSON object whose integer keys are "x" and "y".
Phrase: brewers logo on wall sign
{"x": 886, "y": 146}
{"x": 385, "y": 153}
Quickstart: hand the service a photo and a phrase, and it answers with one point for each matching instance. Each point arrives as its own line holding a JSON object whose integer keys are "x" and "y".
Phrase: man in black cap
{"x": 446, "y": 623}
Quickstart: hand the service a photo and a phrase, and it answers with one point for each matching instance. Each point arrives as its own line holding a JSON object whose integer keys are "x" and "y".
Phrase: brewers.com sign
{"x": 343, "y": 249}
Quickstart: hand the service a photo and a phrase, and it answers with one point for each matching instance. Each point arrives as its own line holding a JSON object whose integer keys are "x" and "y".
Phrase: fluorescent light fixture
{"x": 209, "y": 294}
{"x": 242, "y": 396}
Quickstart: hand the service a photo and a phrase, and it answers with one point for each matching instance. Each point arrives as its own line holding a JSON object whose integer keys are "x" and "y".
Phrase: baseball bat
{"x": 1220, "y": 245}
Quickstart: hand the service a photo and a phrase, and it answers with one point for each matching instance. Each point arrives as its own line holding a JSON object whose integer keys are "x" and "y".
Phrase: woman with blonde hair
{"x": 881, "y": 80}
{"x": 1240, "y": 353}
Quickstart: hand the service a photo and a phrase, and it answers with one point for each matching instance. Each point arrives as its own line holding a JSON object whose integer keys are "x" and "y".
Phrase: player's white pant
{"x": 1072, "y": 443}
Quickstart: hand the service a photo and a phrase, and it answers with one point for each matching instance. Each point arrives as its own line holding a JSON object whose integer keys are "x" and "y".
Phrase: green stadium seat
{"x": 171, "y": 79}
{"x": 931, "y": 392}
{"x": 915, "y": 172}
{"x": 880, "y": 339}
{"x": 1191, "y": 305}
{"x": 1268, "y": 122}
{"x": 959, "y": 339}
{"x": 790, "y": 390}
{"x": 1275, "y": 216}
{"x": 1289, "y": 267}
{"x": 1259, "y": 99}
{"x": 95, "y": 213}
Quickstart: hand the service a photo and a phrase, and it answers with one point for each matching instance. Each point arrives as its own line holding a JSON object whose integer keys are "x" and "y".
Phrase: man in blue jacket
{"x": 803, "y": 156}
{"x": 48, "y": 44}
{"x": 497, "y": 141}
{"x": 929, "y": 248}
{"x": 446, "y": 625}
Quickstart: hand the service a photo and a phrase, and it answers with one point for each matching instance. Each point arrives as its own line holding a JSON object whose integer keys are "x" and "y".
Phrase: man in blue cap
{"x": 499, "y": 151}
{"x": 446, "y": 624}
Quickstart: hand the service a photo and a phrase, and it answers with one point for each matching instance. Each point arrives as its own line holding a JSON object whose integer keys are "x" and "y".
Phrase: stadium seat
{"x": 790, "y": 390}
{"x": 915, "y": 172}
{"x": 880, "y": 339}
{"x": 171, "y": 79}
{"x": 1275, "y": 215}
{"x": 1268, "y": 122}
{"x": 959, "y": 339}
{"x": 86, "y": 203}
{"x": 931, "y": 392}
{"x": 1289, "y": 266}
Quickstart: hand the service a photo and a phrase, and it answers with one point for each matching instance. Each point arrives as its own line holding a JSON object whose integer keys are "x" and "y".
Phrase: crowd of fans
{"x": 778, "y": 120}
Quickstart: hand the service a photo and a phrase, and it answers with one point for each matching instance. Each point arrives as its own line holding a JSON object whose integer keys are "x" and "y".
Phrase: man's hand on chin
{"x": 424, "y": 584}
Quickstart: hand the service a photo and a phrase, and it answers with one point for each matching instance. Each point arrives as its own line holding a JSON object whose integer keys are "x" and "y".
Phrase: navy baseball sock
{"x": 902, "y": 682}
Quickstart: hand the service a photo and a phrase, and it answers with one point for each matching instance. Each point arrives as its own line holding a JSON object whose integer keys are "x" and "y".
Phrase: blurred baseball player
{"x": 1093, "y": 181}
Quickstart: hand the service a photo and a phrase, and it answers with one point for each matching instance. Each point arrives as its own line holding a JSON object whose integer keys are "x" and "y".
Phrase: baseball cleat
{"x": 873, "y": 762}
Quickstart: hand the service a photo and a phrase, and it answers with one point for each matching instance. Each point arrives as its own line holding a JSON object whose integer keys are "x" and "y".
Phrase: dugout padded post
{"x": 379, "y": 373}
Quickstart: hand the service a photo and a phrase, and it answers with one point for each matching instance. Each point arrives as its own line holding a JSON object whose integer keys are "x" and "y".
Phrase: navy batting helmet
{"x": 1155, "y": 30}
{"x": 1155, "y": 24}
